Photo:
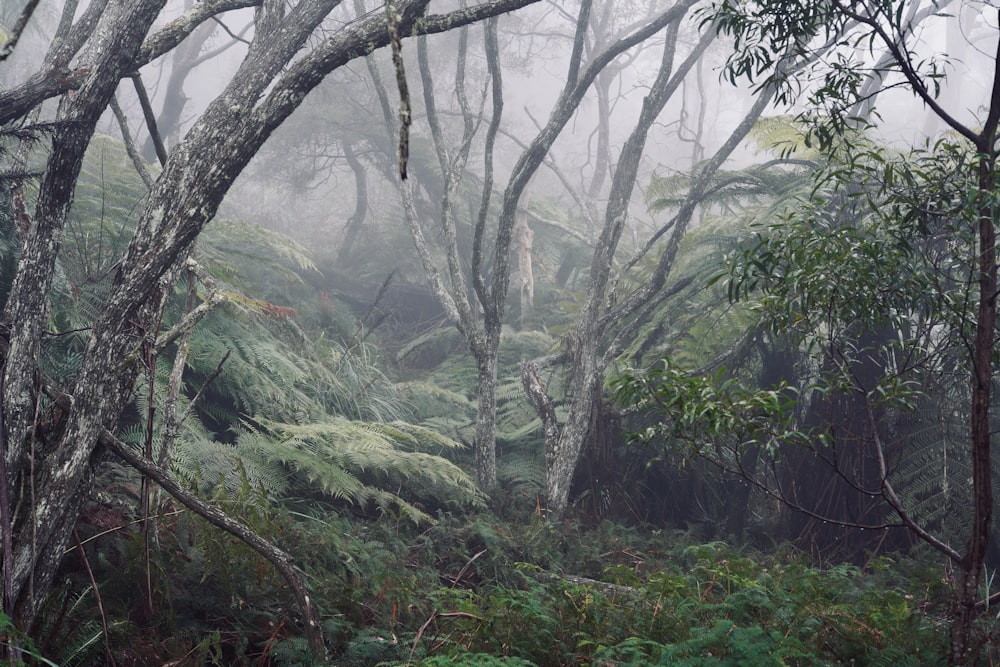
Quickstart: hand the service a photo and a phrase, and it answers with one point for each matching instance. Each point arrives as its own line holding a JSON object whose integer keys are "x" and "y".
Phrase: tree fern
{"x": 934, "y": 465}
{"x": 364, "y": 462}
{"x": 728, "y": 189}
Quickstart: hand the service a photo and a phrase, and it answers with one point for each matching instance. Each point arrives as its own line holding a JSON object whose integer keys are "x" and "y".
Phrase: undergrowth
{"x": 478, "y": 590}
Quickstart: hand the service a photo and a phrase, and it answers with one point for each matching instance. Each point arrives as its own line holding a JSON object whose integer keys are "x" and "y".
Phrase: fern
{"x": 359, "y": 462}
{"x": 934, "y": 468}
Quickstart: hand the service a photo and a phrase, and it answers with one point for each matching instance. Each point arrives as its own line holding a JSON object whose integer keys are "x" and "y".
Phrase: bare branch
{"x": 133, "y": 154}
{"x": 15, "y": 33}
{"x": 281, "y": 560}
{"x": 150, "y": 116}
{"x": 174, "y": 32}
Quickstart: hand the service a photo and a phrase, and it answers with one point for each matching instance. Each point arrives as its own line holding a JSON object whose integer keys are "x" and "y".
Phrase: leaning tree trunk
{"x": 48, "y": 518}
{"x": 586, "y": 359}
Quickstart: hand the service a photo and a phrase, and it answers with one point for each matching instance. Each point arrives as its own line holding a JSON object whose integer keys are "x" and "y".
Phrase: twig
{"x": 97, "y": 598}
{"x": 465, "y": 568}
{"x": 236, "y": 37}
{"x": 433, "y": 617}
{"x": 204, "y": 386}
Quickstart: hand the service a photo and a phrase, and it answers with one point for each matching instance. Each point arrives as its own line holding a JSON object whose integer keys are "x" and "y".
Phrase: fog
{"x": 727, "y": 269}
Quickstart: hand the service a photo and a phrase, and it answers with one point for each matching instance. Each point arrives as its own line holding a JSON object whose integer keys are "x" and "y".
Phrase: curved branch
{"x": 890, "y": 494}
{"x": 177, "y": 30}
{"x": 282, "y": 561}
{"x": 909, "y": 72}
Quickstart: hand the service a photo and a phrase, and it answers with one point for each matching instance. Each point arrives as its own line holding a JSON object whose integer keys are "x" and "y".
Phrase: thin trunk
{"x": 982, "y": 380}
{"x": 185, "y": 58}
{"x": 357, "y": 220}
{"x": 586, "y": 357}
{"x": 526, "y": 277}
{"x": 485, "y": 447}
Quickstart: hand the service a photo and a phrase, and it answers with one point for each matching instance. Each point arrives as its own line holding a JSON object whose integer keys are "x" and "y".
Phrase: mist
{"x": 343, "y": 332}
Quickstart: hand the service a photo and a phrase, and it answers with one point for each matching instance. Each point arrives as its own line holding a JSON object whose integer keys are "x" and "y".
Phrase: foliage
{"x": 474, "y": 660}
{"x": 728, "y": 188}
{"x": 304, "y": 421}
{"x": 708, "y": 411}
{"x": 833, "y": 86}
{"x": 699, "y": 604}
{"x": 892, "y": 223}
{"x": 18, "y": 648}
{"x": 333, "y": 457}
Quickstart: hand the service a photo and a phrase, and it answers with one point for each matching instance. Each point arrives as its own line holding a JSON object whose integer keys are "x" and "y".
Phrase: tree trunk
{"x": 186, "y": 57}
{"x": 486, "y": 450}
{"x": 586, "y": 358}
{"x": 982, "y": 380}
{"x": 30, "y": 565}
{"x": 562, "y": 456}
{"x": 526, "y": 277}
{"x": 357, "y": 219}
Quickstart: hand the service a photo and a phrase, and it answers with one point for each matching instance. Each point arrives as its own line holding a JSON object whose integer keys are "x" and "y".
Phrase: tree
{"x": 50, "y": 460}
{"x": 936, "y": 205}
{"x": 488, "y": 278}
{"x": 608, "y": 318}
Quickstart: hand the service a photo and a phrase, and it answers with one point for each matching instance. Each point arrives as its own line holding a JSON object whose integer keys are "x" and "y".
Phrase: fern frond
{"x": 351, "y": 461}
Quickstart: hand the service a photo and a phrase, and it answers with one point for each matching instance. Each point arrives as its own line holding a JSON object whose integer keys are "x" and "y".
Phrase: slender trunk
{"x": 587, "y": 361}
{"x": 486, "y": 451}
{"x": 357, "y": 220}
{"x": 526, "y": 276}
{"x": 982, "y": 377}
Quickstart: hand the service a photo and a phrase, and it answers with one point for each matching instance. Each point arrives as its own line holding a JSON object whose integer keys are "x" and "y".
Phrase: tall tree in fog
{"x": 886, "y": 274}
{"x": 50, "y": 434}
{"x": 609, "y": 316}
{"x": 971, "y": 215}
{"x": 484, "y": 287}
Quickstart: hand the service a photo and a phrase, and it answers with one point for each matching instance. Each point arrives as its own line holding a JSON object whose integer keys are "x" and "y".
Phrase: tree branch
{"x": 177, "y": 30}
{"x": 15, "y": 33}
{"x": 282, "y": 561}
{"x": 150, "y": 116}
{"x": 912, "y": 76}
{"x": 133, "y": 154}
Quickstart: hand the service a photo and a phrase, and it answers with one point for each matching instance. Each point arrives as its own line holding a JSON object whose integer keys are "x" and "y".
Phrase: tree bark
{"x": 526, "y": 278}
{"x": 357, "y": 219}
{"x": 982, "y": 381}
{"x": 26, "y": 313}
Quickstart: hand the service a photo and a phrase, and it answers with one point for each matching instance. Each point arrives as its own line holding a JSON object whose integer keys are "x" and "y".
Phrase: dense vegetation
{"x": 321, "y": 443}
{"x": 757, "y": 434}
